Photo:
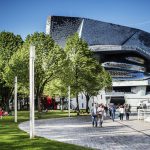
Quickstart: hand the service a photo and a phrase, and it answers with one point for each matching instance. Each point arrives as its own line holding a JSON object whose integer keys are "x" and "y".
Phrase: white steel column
{"x": 32, "y": 58}
{"x": 69, "y": 101}
{"x": 15, "y": 95}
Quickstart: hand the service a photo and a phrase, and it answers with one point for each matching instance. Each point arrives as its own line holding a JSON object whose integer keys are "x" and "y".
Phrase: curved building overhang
{"x": 111, "y": 48}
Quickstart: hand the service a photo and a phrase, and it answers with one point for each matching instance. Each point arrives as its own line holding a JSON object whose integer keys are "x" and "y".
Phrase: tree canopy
{"x": 85, "y": 73}
{"x": 48, "y": 62}
{"x": 55, "y": 68}
{"x": 9, "y": 44}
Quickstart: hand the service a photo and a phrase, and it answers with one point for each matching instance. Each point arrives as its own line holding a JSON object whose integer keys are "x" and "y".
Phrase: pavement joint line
{"x": 134, "y": 128}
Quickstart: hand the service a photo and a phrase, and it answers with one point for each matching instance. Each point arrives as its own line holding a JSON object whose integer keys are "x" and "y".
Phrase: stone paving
{"x": 117, "y": 135}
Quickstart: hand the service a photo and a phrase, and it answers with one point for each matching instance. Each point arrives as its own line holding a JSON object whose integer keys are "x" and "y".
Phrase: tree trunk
{"x": 62, "y": 103}
{"x": 39, "y": 103}
{"x": 38, "y": 100}
{"x": 87, "y": 103}
{"x": 78, "y": 111}
{"x": 76, "y": 83}
{"x": 6, "y": 96}
{"x": 6, "y": 104}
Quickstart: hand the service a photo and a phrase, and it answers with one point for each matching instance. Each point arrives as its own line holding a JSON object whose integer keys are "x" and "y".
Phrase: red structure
{"x": 51, "y": 103}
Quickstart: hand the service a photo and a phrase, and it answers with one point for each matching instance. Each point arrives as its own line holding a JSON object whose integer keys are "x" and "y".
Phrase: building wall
{"x": 140, "y": 90}
{"x": 100, "y": 98}
{"x": 82, "y": 101}
{"x": 109, "y": 40}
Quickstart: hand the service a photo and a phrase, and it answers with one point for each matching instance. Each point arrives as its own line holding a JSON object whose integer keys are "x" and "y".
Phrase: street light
{"x": 32, "y": 58}
{"x": 69, "y": 101}
{"x": 15, "y": 95}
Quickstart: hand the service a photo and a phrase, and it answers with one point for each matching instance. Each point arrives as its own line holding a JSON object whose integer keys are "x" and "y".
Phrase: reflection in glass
{"x": 123, "y": 66}
{"x": 136, "y": 60}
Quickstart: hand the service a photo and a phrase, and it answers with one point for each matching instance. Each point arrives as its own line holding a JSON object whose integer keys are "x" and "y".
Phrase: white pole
{"x": 32, "y": 58}
{"x": 15, "y": 99}
{"x": 69, "y": 101}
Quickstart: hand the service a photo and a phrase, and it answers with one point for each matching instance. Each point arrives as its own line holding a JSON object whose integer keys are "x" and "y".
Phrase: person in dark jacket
{"x": 113, "y": 111}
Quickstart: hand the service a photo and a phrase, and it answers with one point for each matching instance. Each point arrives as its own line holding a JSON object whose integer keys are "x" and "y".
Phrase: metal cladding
{"x": 124, "y": 51}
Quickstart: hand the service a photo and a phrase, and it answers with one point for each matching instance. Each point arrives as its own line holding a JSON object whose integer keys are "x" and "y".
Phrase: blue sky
{"x": 28, "y": 16}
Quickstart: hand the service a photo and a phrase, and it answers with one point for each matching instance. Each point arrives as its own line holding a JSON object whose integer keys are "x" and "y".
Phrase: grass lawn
{"x": 12, "y": 138}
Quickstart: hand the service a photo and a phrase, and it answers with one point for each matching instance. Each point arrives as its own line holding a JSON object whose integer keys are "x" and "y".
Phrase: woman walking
{"x": 100, "y": 113}
{"x": 121, "y": 111}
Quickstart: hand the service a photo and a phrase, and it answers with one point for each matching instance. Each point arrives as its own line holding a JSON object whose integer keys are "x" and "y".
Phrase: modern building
{"x": 123, "y": 51}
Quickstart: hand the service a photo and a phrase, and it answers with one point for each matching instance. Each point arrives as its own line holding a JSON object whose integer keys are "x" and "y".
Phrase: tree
{"x": 84, "y": 73}
{"x": 48, "y": 63}
{"x": 9, "y": 44}
{"x": 94, "y": 82}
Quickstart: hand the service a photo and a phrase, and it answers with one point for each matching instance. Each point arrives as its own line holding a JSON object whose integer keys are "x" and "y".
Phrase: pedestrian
{"x": 113, "y": 111}
{"x": 106, "y": 110}
{"x": 1, "y": 113}
{"x": 109, "y": 111}
{"x": 127, "y": 111}
{"x": 94, "y": 114}
{"x": 121, "y": 111}
{"x": 144, "y": 106}
{"x": 100, "y": 114}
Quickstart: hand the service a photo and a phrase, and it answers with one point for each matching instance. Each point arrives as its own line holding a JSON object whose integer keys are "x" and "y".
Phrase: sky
{"x": 25, "y": 17}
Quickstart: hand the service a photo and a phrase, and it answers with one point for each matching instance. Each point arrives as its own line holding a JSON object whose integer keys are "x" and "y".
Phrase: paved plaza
{"x": 118, "y": 135}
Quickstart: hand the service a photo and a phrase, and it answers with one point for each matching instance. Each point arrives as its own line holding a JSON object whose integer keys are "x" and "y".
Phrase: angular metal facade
{"x": 123, "y": 51}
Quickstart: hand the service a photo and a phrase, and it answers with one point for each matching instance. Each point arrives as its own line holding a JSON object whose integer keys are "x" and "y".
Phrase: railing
{"x": 143, "y": 114}
{"x": 115, "y": 93}
{"x": 118, "y": 93}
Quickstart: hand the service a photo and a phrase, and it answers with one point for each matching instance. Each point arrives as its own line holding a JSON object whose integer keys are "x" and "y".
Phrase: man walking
{"x": 94, "y": 115}
{"x": 113, "y": 110}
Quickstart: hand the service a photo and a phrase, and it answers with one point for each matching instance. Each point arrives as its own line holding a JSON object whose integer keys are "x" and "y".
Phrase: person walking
{"x": 121, "y": 111}
{"x": 127, "y": 111}
{"x": 1, "y": 113}
{"x": 94, "y": 114}
{"x": 100, "y": 114}
{"x": 113, "y": 111}
{"x": 109, "y": 111}
{"x": 106, "y": 110}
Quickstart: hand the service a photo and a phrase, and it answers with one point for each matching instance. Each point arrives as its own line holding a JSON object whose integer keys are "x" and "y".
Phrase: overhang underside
{"x": 131, "y": 83}
{"x": 120, "y": 48}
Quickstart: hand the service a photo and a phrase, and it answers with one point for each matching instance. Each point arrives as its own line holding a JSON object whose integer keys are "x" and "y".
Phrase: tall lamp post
{"x": 32, "y": 58}
{"x": 15, "y": 95}
{"x": 69, "y": 101}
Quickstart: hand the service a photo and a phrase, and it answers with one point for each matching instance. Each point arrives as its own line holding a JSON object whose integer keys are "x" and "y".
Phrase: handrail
{"x": 142, "y": 114}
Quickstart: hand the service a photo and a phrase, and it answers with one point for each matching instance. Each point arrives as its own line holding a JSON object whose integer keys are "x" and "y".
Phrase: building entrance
{"x": 117, "y": 100}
